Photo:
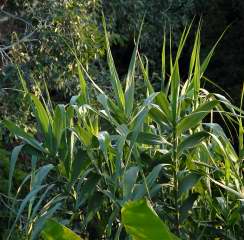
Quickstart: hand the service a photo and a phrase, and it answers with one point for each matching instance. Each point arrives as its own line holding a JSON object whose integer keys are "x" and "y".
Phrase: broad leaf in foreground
{"x": 142, "y": 222}
{"x": 57, "y": 231}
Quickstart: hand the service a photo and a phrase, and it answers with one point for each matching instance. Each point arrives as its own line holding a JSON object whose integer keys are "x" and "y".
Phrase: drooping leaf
{"x": 41, "y": 175}
{"x": 19, "y": 132}
{"x": 94, "y": 205}
{"x": 88, "y": 188}
{"x": 37, "y": 206}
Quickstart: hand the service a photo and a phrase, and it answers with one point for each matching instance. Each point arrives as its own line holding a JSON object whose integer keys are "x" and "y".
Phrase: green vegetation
{"x": 41, "y": 50}
{"x": 125, "y": 157}
{"x": 91, "y": 157}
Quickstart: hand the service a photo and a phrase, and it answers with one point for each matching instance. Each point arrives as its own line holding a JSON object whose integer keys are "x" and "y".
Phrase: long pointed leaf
{"x": 117, "y": 88}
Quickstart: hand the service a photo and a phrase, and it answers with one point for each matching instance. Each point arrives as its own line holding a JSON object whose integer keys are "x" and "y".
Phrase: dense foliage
{"x": 42, "y": 50}
{"x": 94, "y": 149}
{"x": 91, "y": 157}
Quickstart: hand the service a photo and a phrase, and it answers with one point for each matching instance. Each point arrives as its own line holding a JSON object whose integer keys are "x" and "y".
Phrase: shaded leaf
{"x": 192, "y": 141}
{"x": 187, "y": 182}
{"x": 130, "y": 178}
{"x": 80, "y": 163}
{"x": 187, "y": 205}
{"x": 24, "y": 136}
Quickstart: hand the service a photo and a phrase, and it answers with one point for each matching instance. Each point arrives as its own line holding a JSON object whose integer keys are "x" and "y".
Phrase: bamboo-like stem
{"x": 176, "y": 183}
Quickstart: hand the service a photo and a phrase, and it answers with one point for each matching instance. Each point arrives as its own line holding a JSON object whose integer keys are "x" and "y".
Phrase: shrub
{"x": 52, "y": 27}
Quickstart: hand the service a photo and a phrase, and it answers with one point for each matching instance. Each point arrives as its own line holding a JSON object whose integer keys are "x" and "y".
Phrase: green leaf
{"x": 14, "y": 156}
{"x": 117, "y": 88}
{"x": 59, "y": 124}
{"x": 231, "y": 190}
{"x": 42, "y": 116}
{"x": 130, "y": 85}
{"x": 84, "y": 136}
{"x": 142, "y": 222}
{"x": 164, "y": 104}
{"x": 130, "y": 80}
{"x": 22, "y": 80}
{"x": 163, "y": 54}
{"x": 175, "y": 87}
{"x": 29, "y": 197}
{"x": 174, "y": 80}
{"x": 149, "y": 183}
{"x": 104, "y": 144}
{"x": 140, "y": 117}
{"x": 194, "y": 52}
{"x": 146, "y": 75}
{"x": 41, "y": 175}
{"x": 40, "y": 222}
{"x": 88, "y": 189}
{"x": 197, "y": 75}
{"x": 94, "y": 205}
{"x": 37, "y": 206}
{"x": 80, "y": 163}
{"x": 187, "y": 182}
{"x": 56, "y": 231}
{"x": 192, "y": 141}
{"x": 130, "y": 178}
{"x": 83, "y": 86}
{"x": 24, "y": 136}
{"x": 104, "y": 100}
{"x": 186, "y": 207}
{"x": 195, "y": 118}
{"x": 148, "y": 138}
